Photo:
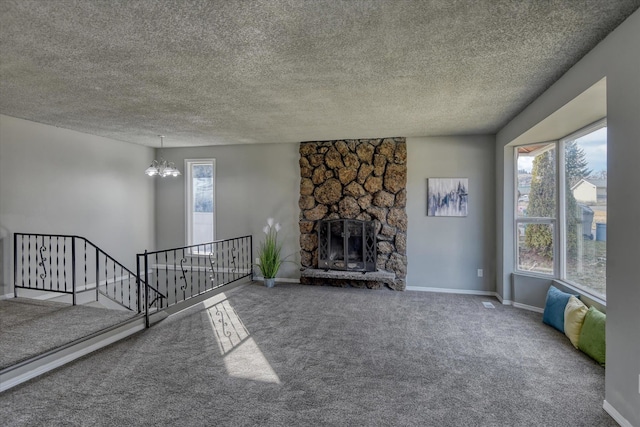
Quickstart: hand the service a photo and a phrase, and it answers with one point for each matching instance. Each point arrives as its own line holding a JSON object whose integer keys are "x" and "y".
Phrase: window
{"x": 561, "y": 208}
{"x": 200, "y": 201}
{"x": 585, "y": 201}
{"x": 536, "y": 208}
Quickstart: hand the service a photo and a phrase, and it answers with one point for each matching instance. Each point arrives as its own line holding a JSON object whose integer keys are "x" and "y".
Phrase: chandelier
{"x": 162, "y": 168}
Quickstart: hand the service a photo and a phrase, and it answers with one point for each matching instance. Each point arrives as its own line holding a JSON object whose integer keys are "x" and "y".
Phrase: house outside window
{"x": 200, "y": 204}
{"x": 561, "y": 209}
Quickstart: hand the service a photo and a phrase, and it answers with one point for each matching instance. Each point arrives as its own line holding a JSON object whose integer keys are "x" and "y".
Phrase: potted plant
{"x": 269, "y": 253}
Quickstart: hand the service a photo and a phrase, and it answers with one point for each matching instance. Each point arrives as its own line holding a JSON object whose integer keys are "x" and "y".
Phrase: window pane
{"x": 536, "y": 181}
{"x": 586, "y": 204}
{"x": 535, "y": 248}
{"x": 203, "y": 188}
{"x": 202, "y": 199}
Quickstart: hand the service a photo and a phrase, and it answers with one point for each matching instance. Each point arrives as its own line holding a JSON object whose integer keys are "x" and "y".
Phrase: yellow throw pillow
{"x": 574, "y": 314}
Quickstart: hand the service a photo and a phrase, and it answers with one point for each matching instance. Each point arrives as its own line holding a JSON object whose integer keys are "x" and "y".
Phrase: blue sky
{"x": 595, "y": 149}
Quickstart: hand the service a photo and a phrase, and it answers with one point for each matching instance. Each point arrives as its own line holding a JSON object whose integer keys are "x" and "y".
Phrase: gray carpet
{"x": 30, "y": 327}
{"x": 301, "y": 355}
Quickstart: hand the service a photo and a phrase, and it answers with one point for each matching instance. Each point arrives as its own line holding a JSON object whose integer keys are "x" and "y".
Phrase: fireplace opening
{"x": 347, "y": 244}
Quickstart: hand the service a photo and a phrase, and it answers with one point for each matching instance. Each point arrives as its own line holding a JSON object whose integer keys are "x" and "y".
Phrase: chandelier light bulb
{"x": 162, "y": 168}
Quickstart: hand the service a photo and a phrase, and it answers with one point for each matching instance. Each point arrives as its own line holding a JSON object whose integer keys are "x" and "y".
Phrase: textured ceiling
{"x": 227, "y": 72}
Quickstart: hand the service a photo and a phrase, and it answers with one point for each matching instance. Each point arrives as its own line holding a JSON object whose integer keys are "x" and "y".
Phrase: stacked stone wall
{"x": 361, "y": 179}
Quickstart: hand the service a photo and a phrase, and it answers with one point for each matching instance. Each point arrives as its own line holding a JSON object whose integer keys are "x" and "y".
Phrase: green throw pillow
{"x": 592, "y": 340}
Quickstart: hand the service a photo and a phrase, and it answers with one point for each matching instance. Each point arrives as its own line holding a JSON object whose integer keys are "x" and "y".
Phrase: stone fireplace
{"x": 362, "y": 180}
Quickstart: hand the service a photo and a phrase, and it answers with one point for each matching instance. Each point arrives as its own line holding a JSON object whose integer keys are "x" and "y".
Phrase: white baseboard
{"x": 503, "y": 301}
{"x": 7, "y": 296}
{"x": 451, "y": 291}
{"x": 528, "y": 307}
{"x": 279, "y": 280}
{"x": 615, "y": 415}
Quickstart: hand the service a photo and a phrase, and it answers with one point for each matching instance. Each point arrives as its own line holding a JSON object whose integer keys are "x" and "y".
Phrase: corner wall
{"x": 446, "y": 252}
{"x": 58, "y": 181}
{"x": 617, "y": 59}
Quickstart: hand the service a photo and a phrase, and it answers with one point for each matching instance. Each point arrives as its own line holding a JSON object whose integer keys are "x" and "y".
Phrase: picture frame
{"x": 447, "y": 197}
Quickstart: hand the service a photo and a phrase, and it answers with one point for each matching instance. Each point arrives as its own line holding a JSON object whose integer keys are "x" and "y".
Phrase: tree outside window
{"x": 568, "y": 235}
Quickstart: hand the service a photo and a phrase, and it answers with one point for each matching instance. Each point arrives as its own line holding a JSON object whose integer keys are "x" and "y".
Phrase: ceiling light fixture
{"x": 162, "y": 168}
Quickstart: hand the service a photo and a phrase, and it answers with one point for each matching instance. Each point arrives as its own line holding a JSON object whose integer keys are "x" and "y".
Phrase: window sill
{"x": 595, "y": 298}
{"x": 534, "y": 274}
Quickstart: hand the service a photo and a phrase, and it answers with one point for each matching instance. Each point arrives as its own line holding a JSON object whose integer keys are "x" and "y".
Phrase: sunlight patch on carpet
{"x": 242, "y": 356}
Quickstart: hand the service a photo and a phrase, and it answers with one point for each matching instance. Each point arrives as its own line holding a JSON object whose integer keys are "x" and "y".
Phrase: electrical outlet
{"x": 257, "y": 261}
{"x": 480, "y": 272}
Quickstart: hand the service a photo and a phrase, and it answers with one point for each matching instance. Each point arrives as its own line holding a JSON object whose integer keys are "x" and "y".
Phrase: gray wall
{"x": 59, "y": 181}
{"x": 253, "y": 182}
{"x": 446, "y": 252}
{"x": 617, "y": 59}
{"x": 530, "y": 291}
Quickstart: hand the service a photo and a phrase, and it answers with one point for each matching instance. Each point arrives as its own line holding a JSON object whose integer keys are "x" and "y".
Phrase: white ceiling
{"x": 230, "y": 72}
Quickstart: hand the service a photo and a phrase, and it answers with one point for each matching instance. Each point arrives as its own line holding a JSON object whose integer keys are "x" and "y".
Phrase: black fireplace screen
{"x": 347, "y": 244}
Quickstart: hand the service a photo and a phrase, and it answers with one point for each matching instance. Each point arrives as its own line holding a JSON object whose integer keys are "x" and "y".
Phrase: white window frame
{"x": 534, "y": 220}
{"x": 558, "y": 223}
{"x": 562, "y": 193}
{"x": 188, "y": 164}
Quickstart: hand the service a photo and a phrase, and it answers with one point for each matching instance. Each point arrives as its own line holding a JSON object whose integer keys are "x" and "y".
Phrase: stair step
{"x": 24, "y": 371}
{"x": 31, "y": 368}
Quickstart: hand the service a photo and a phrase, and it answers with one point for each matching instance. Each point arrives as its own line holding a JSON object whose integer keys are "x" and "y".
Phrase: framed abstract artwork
{"x": 447, "y": 196}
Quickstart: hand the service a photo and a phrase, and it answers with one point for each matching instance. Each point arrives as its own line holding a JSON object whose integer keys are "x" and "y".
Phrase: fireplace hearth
{"x": 347, "y": 244}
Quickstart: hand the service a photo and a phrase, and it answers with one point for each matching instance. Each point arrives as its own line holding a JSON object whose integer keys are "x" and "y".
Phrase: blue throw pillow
{"x": 554, "y": 308}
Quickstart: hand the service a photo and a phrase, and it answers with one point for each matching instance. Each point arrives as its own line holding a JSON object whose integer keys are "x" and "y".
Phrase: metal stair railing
{"x": 69, "y": 264}
{"x": 180, "y": 274}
